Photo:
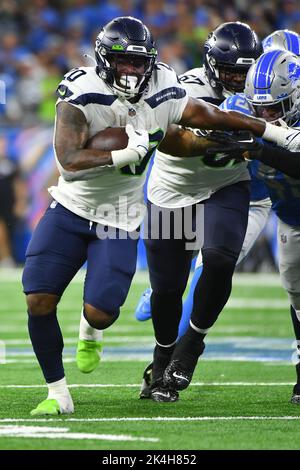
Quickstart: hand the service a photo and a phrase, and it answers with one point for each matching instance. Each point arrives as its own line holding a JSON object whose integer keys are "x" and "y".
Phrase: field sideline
{"x": 239, "y": 398}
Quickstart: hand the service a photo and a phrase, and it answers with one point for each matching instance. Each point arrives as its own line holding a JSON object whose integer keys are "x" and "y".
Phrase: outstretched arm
{"x": 204, "y": 115}
{"x": 181, "y": 142}
{"x": 278, "y": 158}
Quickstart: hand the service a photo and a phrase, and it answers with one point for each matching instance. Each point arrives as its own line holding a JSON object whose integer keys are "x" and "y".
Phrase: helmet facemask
{"x": 130, "y": 73}
{"x": 284, "y": 109}
{"x": 231, "y": 78}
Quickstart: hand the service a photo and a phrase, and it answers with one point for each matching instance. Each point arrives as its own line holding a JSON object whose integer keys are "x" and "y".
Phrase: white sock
{"x": 87, "y": 332}
{"x": 59, "y": 391}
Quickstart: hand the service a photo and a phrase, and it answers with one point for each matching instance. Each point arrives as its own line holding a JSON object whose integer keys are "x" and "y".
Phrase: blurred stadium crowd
{"x": 42, "y": 39}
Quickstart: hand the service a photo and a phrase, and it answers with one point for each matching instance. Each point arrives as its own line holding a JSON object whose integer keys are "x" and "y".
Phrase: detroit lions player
{"x": 273, "y": 89}
{"x": 101, "y": 191}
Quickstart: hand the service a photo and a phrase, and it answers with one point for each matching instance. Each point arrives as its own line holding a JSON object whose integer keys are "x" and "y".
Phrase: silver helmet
{"x": 273, "y": 86}
{"x": 283, "y": 39}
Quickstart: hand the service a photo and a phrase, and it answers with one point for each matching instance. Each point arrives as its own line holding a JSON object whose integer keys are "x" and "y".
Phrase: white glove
{"x": 137, "y": 147}
{"x": 288, "y": 138}
{"x": 292, "y": 140}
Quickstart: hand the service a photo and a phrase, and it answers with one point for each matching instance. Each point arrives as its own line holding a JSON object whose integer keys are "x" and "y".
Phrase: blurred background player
{"x": 13, "y": 203}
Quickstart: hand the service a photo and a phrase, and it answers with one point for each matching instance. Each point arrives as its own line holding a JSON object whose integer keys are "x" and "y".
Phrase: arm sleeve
{"x": 282, "y": 160}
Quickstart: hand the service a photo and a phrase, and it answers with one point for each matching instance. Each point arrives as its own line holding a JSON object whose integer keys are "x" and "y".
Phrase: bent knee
{"x": 41, "y": 304}
{"x": 219, "y": 259}
{"x": 99, "y": 319}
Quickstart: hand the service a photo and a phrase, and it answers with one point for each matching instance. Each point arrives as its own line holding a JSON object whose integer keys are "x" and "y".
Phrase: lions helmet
{"x": 273, "y": 86}
{"x": 125, "y": 40}
{"x": 229, "y": 50}
{"x": 283, "y": 39}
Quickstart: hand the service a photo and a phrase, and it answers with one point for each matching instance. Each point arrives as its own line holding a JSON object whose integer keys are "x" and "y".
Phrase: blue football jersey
{"x": 258, "y": 188}
{"x": 283, "y": 191}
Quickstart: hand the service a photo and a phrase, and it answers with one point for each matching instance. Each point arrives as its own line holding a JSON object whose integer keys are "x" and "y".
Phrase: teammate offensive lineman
{"x": 103, "y": 189}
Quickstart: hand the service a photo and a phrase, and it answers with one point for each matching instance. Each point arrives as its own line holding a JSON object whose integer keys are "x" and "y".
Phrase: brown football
{"x": 111, "y": 138}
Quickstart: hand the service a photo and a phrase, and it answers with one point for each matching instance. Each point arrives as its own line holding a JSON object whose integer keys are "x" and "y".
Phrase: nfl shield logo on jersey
{"x": 283, "y": 238}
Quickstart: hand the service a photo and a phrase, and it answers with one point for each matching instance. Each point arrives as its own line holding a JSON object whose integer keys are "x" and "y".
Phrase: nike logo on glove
{"x": 249, "y": 141}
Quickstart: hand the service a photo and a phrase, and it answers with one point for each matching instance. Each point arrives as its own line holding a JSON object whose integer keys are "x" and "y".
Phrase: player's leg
{"x": 257, "y": 219}
{"x": 225, "y": 224}
{"x": 289, "y": 268}
{"x": 111, "y": 264}
{"x": 53, "y": 257}
{"x": 169, "y": 265}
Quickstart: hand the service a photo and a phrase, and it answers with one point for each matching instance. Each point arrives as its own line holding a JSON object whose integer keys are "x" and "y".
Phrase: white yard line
{"x": 154, "y": 418}
{"x": 40, "y": 432}
{"x": 193, "y": 384}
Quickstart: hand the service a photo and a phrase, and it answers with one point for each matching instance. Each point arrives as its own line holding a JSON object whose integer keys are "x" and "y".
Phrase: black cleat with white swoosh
{"x": 176, "y": 376}
{"x": 179, "y": 373}
{"x": 161, "y": 393}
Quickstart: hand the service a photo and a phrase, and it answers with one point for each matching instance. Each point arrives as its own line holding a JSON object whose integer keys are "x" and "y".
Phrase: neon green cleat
{"x": 88, "y": 355}
{"x": 46, "y": 407}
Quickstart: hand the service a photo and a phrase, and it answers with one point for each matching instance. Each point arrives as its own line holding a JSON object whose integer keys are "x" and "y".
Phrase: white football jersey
{"x": 179, "y": 182}
{"x": 105, "y": 194}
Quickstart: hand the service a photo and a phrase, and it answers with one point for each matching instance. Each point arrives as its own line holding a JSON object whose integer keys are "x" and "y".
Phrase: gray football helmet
{"x": 283, "y": 39}
{"x": 273, "y": 86}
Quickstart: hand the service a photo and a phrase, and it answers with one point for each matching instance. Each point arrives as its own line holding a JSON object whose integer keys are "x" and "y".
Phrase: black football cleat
{"x": 145, "y": 391}
{"x": 176, "y": 377}
{"x": 161, "y": 393}
{"x": 296, "y": 395}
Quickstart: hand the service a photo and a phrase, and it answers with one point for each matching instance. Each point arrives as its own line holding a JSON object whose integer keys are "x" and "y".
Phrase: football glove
{"x": 241, "y": 145}
{"x": 137, "y": 147}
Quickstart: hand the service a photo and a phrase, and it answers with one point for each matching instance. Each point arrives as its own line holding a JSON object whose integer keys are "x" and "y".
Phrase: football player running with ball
{"x": 100, "y": 191}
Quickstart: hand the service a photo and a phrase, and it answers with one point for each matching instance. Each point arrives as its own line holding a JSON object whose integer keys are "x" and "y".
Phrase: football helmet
{"x": 125, "y": 54}
{"x": 283, "y": 39}
{"x": 273, "y": 86}
{"x": 229, "y": 51}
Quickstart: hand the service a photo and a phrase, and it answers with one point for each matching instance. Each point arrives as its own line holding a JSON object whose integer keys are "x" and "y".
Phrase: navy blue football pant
{"x": 62, "y": 243}
{"x": 223, "y": 226}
